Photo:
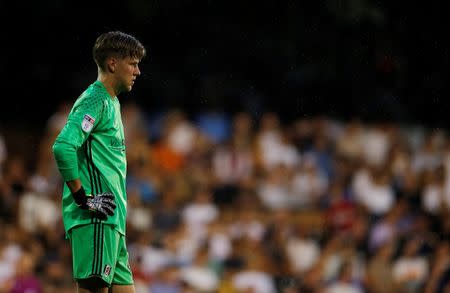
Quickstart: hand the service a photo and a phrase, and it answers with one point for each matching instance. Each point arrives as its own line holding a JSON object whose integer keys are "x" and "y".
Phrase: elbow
{"x": 58, "y": 149}
{"x": 62, "y": 148}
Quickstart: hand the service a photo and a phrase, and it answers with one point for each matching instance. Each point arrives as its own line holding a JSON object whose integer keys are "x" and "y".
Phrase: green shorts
{"x": 98, "y": 250}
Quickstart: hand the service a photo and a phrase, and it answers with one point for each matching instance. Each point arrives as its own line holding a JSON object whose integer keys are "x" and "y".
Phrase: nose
{"x": 137, "y": 71}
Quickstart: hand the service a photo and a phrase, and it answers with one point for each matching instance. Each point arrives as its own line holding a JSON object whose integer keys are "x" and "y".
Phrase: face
{"x": 126, "y": 72}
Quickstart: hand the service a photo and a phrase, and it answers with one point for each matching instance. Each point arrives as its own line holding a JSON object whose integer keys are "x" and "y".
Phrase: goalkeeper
{"x": 90, "y": 155}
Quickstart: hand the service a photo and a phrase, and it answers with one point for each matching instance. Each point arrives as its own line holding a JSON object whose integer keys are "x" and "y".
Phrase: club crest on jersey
{"x": 88, "y": 123}
{"x": 107, "y": 270}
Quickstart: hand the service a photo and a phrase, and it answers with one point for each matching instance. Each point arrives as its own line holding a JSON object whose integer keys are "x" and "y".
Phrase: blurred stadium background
{"x": 280, "y": 146}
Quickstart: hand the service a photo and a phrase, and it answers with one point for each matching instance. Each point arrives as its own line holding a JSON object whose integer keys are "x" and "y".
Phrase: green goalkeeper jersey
{"x": 91, "y": 147}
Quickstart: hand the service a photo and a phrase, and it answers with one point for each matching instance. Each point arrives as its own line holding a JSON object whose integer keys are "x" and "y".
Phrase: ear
{"x": 111, "y": 64}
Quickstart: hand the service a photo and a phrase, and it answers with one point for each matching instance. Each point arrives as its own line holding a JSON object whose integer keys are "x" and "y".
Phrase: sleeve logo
{"x": 88, "y": 123}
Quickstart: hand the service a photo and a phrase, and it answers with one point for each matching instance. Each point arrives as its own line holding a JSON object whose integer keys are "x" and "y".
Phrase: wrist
{"x": 80, "y": 197}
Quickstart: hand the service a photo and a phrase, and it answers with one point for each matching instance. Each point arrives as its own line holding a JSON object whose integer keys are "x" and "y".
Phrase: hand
{"x": 102, "y": 205}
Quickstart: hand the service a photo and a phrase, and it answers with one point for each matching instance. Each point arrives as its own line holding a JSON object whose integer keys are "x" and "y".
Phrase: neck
{"x": 109, "y": 84}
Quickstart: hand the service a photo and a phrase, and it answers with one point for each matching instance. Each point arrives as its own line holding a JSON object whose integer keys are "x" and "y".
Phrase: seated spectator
{"x": 200, "y": 212}
{"x": 379, "y": 269}
{"x": 25, "y": 280}
{"x": 344, "y": 282}
{"x": 411, "y": 270}
{"x": 214, "y": 124}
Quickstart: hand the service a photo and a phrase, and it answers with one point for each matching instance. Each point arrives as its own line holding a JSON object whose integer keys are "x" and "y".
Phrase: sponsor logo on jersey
{"x": 118, "y": 144}
{"x": 88, "y": 123}
{"x": 107, "y": 270}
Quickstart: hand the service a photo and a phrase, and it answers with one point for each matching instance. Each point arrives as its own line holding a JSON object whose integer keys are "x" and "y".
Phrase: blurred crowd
{"x": 233, "y": 203}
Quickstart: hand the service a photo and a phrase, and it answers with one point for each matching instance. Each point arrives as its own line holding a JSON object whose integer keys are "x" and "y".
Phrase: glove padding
{"x": 102, "y": 205}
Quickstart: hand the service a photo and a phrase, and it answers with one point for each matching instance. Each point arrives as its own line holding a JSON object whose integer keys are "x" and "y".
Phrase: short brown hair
{"x": 116, "y": 44}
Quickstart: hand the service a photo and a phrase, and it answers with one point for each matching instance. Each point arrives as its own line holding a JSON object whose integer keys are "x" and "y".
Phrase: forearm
{"x": 74, "y": 185}
{"x": 66, "y": 159}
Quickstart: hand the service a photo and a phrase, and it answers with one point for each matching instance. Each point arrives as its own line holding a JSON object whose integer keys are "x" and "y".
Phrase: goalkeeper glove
{"x": 102, "y": 205}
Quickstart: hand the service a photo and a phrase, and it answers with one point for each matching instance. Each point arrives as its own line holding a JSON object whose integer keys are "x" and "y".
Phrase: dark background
{"x": 377, "y": 60}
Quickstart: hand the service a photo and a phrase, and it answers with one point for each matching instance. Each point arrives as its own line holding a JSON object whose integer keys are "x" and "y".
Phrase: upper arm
{"x": 82, "y": 120}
